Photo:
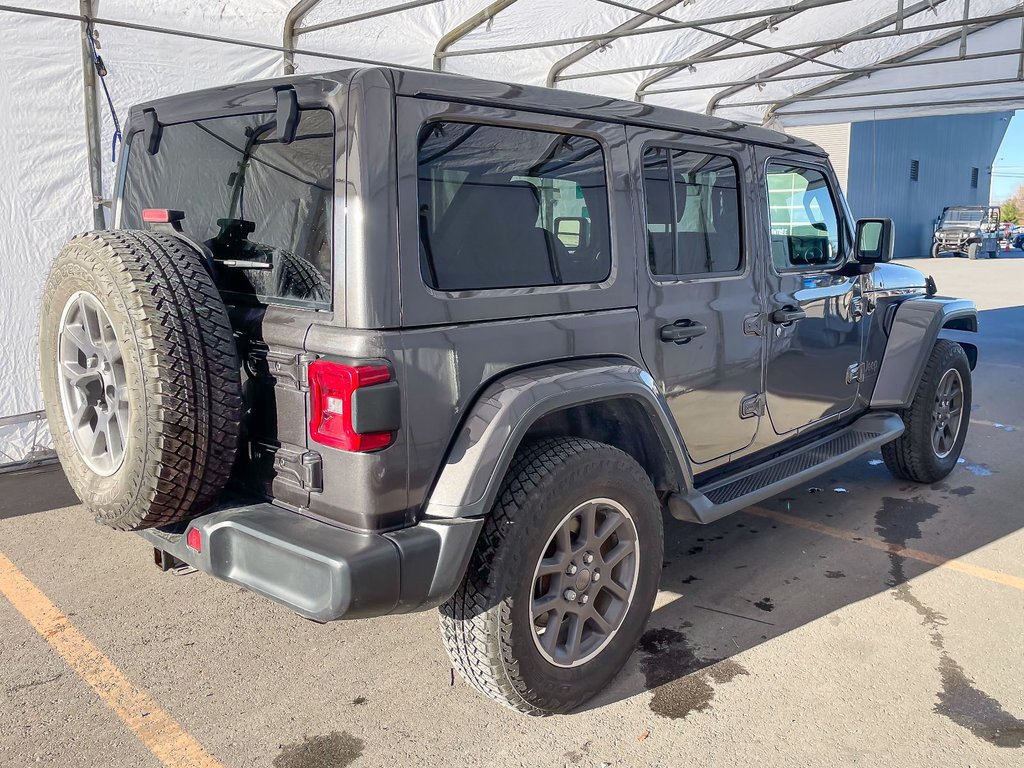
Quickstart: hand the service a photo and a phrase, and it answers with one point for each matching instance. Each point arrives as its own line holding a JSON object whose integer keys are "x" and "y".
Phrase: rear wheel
{"x": 936, "y": 421}
{"x": 563, "y": 578}
{"x": 140, "y": 377}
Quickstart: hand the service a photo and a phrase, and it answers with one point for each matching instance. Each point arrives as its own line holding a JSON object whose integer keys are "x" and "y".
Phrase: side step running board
{"x": 706, "y": 504}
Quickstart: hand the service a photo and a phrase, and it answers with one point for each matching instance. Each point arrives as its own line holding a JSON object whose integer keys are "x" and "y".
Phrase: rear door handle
{"x": 787, "y": 315}
{"x": 683, "y": 331}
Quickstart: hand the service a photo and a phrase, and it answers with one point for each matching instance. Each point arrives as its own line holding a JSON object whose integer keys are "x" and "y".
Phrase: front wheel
{"x": 936, "y": 250}
{"x": 936, "y": 421}
{"x": 563, "y": 578}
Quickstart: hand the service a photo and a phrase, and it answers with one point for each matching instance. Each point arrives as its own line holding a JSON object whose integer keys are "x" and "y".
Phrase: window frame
{"x": 738, "y": 166}
{"x": 845, "y": 235}
{"x": 464, "y": 293}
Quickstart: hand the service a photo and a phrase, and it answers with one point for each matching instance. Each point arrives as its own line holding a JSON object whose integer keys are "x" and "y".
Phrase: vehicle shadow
{"x": 733, "y": 585}
{"x": 39, "y": 489}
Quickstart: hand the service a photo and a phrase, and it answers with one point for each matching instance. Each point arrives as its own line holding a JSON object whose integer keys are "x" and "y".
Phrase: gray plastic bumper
{"x": 323, "y": 572}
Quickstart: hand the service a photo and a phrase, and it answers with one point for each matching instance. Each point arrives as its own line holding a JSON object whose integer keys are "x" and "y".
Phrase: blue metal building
{"x": 910, "y": 169}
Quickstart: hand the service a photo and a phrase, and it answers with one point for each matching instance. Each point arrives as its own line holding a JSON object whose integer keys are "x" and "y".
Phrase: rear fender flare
{"x": 467, "y": 484}
{"x": 915, "y": 327}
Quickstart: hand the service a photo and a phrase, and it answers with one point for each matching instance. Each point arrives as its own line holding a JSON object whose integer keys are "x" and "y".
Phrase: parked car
{"x": 378, "y": 341}
{"x": 968, "y": 230}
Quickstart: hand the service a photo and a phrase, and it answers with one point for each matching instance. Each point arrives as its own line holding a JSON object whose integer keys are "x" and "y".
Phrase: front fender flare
{"x": 468, "y": 482}
{"x": 915, "y": 327}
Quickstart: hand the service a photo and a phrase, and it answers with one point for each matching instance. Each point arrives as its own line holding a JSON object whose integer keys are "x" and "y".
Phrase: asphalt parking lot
{"x": 854, "y": 621}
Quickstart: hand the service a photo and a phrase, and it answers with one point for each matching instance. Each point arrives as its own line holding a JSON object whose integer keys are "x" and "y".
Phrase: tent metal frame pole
{"x": 1020, "y": 62}
{"x": 901, "y": 14}
{"x": 904, "y": 57}
{"x": 365, "y": 16}
{"x": 853, "y": 71}
{"x": 295, "y": 16}
{"x": 963, "y": 30}
{"x": 829, "y": 44}
{"x": 779, "y": 103}
{"x": 92, "y": 115}
{"x": 764, "y": 13}
{"x": 642, "y": 17}
{"x": 475, "y": 21}
{"x": 671, "y": 68}
{"x": 909, "y": 105}
{"x": 555, "y": 73}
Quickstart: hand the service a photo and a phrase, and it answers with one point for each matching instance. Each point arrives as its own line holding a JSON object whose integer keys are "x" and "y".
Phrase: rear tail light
{"x": 194, "y": 540}
{"x": 335, "y": 389}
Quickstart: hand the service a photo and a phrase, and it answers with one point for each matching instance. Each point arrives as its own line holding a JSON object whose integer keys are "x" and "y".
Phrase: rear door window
{"x": 692, "y": 208}
{"x": 510, "y": 208}
{"x": 249, "y": 198}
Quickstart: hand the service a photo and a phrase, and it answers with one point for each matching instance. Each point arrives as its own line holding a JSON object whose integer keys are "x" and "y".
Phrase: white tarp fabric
{"x": 44, "y": 189}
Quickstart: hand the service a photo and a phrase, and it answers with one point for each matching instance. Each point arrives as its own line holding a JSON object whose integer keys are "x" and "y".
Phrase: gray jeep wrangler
{"x": 379, "y": 340}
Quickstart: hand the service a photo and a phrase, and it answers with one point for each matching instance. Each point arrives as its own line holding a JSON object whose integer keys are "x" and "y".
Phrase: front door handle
{"x": 683, "y": 331}
{"x": 787, "y": 315}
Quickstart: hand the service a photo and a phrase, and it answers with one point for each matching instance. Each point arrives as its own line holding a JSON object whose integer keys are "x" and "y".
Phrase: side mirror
{"x": 573, "y": 231}
{"x": 874, "y": 240}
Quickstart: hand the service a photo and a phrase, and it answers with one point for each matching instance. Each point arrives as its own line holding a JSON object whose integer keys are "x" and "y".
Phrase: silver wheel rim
{"x": 948, "y": 413}
{"x": 584, "y": 582}
{"x": 92, "y": 383}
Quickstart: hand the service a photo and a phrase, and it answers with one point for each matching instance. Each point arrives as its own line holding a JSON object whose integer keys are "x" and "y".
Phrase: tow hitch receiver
{"x": 166, "y": 562}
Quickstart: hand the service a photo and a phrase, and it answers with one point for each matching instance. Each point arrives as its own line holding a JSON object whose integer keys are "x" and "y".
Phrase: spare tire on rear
{"x": 140, "y": 376}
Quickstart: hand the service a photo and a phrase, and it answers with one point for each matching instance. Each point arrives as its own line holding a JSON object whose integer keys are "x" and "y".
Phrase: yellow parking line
{"x": 977, "y": 571}
{"x": 161, "y": 733}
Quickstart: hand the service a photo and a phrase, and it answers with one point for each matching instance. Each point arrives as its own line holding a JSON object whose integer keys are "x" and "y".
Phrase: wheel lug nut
{"x": 596, "y": 576}
{"x": 584, "y": 599}
{"x": 571, "y": 569}
{"x": 588, "y": 558}
{"x": 569, "y": 594}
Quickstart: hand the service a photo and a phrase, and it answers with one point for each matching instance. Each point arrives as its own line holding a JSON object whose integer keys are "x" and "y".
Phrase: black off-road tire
{"x": 911, "y": 456}
{"x": 292, "y": 277}
{"x": 935, "y": 250}
{"x": 181, "y": 374}
{"x": 486, "y": 625}
{"x": 972, "y": 250}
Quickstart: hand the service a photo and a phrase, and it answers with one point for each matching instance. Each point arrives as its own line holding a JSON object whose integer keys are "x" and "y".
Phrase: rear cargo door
{"x": 263, "y": 209}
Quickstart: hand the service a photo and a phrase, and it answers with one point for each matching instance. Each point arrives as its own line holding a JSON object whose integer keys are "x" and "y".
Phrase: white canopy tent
{"x": 762, "y": 61}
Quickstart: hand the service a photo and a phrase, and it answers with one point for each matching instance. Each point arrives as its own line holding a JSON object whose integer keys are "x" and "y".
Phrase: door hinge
{"x": 751, "y": 406}
{"x": 857, "y": 307}
{"x": 283, "y": 367}
{"x": 855, "y": 373}
{"x": 753, "y": 325}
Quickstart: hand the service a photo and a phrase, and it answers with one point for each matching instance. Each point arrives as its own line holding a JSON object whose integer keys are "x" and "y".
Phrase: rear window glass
{"x": 511, "y": 208}
{"x": 248, "y": 197}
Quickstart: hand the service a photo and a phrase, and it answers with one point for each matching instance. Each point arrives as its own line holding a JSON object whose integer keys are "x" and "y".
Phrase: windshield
{"x": 263, "y": 207}
{"x": 963, "y": 216}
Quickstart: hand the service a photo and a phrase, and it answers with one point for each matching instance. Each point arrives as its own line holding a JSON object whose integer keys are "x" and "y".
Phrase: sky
{"x": 1008, "y": 169}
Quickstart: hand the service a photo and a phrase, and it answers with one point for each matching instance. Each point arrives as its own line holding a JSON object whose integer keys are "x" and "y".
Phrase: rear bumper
{"x": 322, "y": 572}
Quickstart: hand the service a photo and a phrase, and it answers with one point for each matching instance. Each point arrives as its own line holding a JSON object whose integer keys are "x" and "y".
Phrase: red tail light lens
{"x": 194, "y": 540}
{"x": 161, "y": 215}
{"x": 331, "y": 387}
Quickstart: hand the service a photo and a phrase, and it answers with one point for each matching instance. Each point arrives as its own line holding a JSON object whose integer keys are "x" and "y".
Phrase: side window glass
{"x": 510, "y": 208}
{"x": 805, "y": 229}
{"x": 692, "y": 210}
